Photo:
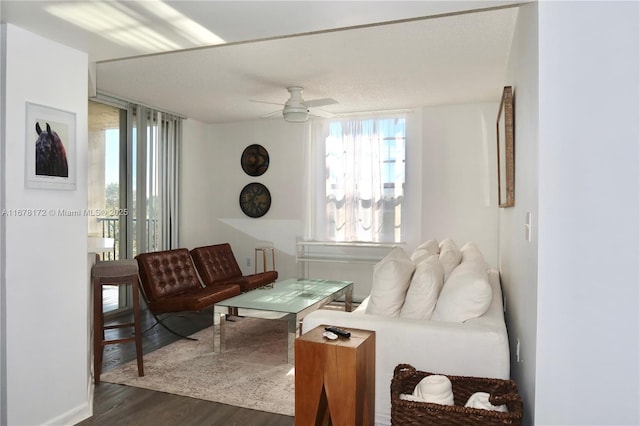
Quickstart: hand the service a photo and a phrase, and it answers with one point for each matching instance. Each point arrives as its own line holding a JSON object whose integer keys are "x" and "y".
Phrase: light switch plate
{"x": 527, "y": 227}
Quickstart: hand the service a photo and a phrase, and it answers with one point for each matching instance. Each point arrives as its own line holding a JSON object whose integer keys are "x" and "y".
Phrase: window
{"x": 364, "y": 175}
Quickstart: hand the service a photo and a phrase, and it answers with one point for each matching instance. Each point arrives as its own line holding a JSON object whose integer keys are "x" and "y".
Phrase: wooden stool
{"x": 116, "y": 272}
{"x": 335, "y": 379}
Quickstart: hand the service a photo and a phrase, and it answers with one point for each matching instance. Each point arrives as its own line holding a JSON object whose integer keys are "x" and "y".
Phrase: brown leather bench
{"x": 170, "y": 283}
{"x": 217, "y": 265}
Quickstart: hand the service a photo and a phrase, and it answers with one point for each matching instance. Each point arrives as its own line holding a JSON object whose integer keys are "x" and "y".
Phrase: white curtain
{"x": 170, "y": 152}
{"x": 153, "y": 181}
{"x": 355, "y": 179}
{"x": 315, "y": 215}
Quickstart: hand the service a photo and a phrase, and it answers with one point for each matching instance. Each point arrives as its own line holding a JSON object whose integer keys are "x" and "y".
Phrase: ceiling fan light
{"x": 296, "y": 115}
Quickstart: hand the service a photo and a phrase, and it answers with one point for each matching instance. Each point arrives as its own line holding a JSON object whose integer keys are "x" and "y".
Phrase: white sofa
{"x": 476, "y": 347}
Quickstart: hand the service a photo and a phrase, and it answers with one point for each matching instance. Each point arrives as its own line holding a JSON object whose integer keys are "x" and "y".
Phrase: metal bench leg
{"x": 161, "y": 322}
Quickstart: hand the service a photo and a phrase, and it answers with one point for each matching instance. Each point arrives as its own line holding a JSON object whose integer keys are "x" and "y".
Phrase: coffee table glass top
{"x": 288, "y": 296}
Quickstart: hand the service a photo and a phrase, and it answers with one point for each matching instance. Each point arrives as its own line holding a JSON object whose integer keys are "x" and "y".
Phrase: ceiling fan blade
{"x": 265, "y": 102}
{"x": 320, "y": 102}
{"x": 272, "y": 114}
{"x": 321, "y": 113}
{"x": 295, "y": 102}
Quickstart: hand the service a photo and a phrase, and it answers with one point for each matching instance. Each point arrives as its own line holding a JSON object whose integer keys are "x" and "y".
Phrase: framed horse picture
{"x": 50, "y": 148}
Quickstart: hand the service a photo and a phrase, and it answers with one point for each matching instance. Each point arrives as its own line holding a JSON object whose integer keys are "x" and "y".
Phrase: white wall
{"x": 3, "y": 306}
{"x": 459, "y": 175}
{"x": 212, "y": 179}
{"x": 519, "y": 258}
{"x": 451, "y": 170}
{"x": 197, "y": 202}
{"x": 46, "y": 276}
{"x": 588, "y": 324}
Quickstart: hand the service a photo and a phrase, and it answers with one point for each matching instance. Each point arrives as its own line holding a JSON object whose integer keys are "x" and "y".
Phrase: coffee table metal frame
{"x": 293, "y": 298}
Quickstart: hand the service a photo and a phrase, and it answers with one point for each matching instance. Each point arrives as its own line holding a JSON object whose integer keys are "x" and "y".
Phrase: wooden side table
{"x": 335, "y": 379}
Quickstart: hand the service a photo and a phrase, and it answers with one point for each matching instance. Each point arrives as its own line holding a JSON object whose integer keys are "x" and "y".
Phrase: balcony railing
{"x": 111, "y": 229}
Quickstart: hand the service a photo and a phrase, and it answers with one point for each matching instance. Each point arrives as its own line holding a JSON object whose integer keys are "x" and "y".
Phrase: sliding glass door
{"x": 134, "y": 152}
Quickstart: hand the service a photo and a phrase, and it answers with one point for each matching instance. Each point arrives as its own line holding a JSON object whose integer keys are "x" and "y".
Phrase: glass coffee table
{"x": 293, "y": 298}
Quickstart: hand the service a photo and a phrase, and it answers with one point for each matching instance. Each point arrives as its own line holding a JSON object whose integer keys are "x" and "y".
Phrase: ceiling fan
{"x": 297, "y": 110}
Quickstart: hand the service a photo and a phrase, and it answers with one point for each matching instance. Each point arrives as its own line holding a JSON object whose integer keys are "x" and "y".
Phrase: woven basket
{"x": 410, "y": 413}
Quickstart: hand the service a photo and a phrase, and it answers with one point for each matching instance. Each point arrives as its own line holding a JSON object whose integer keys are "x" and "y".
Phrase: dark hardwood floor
{"x": 125, "y": 405}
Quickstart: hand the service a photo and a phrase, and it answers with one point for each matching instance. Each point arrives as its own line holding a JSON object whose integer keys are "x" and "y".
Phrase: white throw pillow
{"x": 391, "y": 277}
{"x": 465, "y": 295}
{"x": 471, "y": 253}
{"x": 424, "y": 250}
{"x": 450, "y": 256}
{"x": 424, "y": 289}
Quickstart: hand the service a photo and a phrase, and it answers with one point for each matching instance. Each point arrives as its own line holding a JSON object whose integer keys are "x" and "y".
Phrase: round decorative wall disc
{"x": 255, "y": 199}
{"x": 254, "y": 160}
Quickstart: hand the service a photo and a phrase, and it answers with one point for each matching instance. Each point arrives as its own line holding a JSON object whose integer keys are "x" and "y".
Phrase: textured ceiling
{"x": 454, "y": 59}
{"x": 338, "y": 50}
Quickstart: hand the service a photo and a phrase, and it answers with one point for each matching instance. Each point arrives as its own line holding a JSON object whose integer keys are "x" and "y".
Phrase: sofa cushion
{"x": 391, "y": 278}
{"x": 249, "y": 282}
{"x": 471, "y": 253}
{"x": 450, "y": 256}
{"x": 465, "y": 295}
{"x": 424, "y": 289}
{"x": 362, "y": 307}
{"x": 172, "y": 270}
{"x": 169, "y": 283}
{"x": 194, "y": 300}
{"x": 217, "y": 265}
{"x": 424, "y": 250}
{"x": 429, "y": 247}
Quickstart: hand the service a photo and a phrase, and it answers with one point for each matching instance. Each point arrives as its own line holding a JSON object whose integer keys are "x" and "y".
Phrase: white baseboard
{"x": 73, "y": 416}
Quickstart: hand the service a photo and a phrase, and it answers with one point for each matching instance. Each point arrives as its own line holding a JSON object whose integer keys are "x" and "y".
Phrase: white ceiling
{"x": 368, "y": 55}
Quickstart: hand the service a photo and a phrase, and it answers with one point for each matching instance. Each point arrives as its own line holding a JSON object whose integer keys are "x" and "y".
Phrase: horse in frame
{"x": 51, "y": 157}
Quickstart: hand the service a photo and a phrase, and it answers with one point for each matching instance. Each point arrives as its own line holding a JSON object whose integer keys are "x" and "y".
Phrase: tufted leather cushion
{"x": 250, "y": 282}
{"x": 194, "y": 300}
{"x": 217, "y": 265}
{"x": 170, "y": 283}
{"x": 166, "y": 273}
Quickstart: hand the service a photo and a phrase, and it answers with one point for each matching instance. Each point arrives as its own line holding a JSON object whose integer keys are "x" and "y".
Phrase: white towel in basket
{"x": 481, "y": 400}
{"x": 435, "y": 389}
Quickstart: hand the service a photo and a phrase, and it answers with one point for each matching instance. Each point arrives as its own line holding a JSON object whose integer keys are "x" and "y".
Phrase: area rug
{"x": 252, "y": 372}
